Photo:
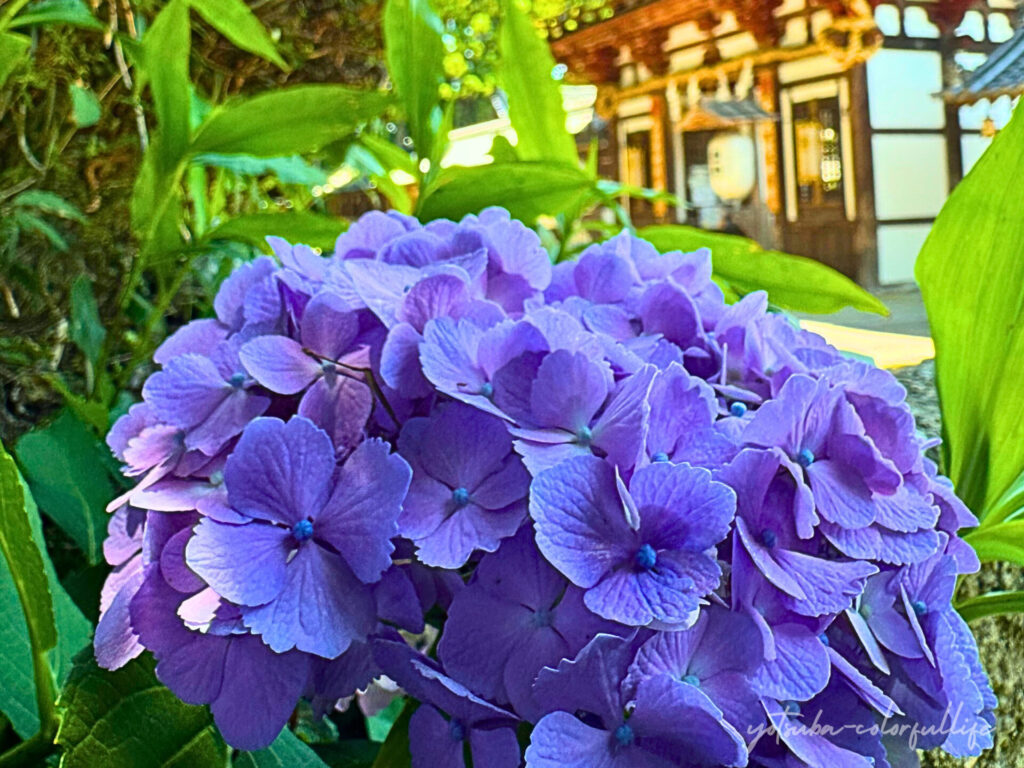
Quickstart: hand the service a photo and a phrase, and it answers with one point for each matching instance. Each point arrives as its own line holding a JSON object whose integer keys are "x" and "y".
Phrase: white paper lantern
{"x": 732, "y": 161}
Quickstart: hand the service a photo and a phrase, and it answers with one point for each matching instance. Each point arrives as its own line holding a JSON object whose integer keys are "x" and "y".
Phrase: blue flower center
{"x": 920, "y": 607}
{"x": 326, "y": 366}
{"x": 791, "y": 709}
{"x": 542, "y": 618}
{"x": 692, "y": 680}
{"x": 738, "y": 409}
{"x": 645, "y": 558}
{"x": 456, "y": 730}
{"x": 660, "y": 456}
{"x": 624, "y": 735}
{"x": 237, "y": 380}
{"x": 865, "y": 611}
{"x": 486, "y": 389}
{"x": 302, "y": 530}
{"x": 768, "y": 538}
{"x": 805, "y": 458}
{"x": 216, "y": 478}
{"x": 584, "y": 436}
{"x": 460, "y": 497}
{"x": 824, "y": 639}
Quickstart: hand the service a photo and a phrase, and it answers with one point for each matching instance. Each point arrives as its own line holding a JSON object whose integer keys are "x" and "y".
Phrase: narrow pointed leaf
{"x": 525, "y": 71}
{"x": 793, "y": 282}
{"x": 971, "y": 272}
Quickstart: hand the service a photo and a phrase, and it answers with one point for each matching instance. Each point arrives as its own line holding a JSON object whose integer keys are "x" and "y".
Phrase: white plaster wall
{"x": 911, "y": 177}
{"x": 903, "y": 88}
{"x": 898, "y": 246}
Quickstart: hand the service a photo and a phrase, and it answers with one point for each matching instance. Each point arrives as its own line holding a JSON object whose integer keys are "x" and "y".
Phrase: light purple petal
{"x": 245, "y": 564}
{"x": 280, "y": 471}
{"x": 581, "y": 525}
{"x": 361, "y": 515}
{"x": 279, "y": 364}
{"x": 322, "y": 609}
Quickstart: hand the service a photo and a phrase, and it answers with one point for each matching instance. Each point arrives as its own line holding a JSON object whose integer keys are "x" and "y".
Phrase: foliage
{"x": 971, "y": 275}
{"x": 127, "y": 718}
{"x": 792, "y": 282}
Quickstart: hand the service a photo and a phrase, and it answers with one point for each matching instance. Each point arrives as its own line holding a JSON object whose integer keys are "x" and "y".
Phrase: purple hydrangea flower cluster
{"x": 654, "y": 529}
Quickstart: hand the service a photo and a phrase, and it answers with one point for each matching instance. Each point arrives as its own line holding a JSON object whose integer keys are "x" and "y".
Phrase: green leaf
{"x": 49, "y": 202}
{"x": 165, "y": 61}
{"x": 30, "y": 221}
{"x": 290, "y": 170}
{"x": 990, "y": 604}
{"x": 1004, "y": 541}
{"x": 390, "y": 155}
{"x": 234, "y": 20}
{"x": 295, "y": 120}
{"x": 534, "y": 98}
{"x": 12, "y": 50}
{"x": 86, "y": 329}
{"x": 85, "y": 107}
{"x": 287, "y": 751}
{"x": 527, "y": 190}
{"x": 394, "y": 753}
{"x": 127, "y": 718}
{"x": 366, "y": 162}
{"x": 295, "y": 227}
{"x": 73, "y": 12}
{"x": 971, "y": 272}
{"x": 792, "y": 282}
{"x": 415, "y": 55}
{"x": 18, "y": 701}
{"x": 63, "y": 467}
{"x": 350, "y": 753}
{"x": 23, "y": 558}
{"x": 378, "y": 726}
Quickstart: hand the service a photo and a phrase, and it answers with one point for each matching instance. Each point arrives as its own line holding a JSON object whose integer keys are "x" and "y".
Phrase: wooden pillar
{"x": 659, "y": 157}
{"x": 954, "y": 148}
{"x": 865, "y": 230}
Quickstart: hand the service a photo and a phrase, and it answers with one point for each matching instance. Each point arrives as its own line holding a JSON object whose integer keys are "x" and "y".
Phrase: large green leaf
{"x": 526, "y": 189}
{"x": 22, "y": 556}
{"x": 295, "y": 227}
{"x": 287, "y": 121}
{"x": 12, "y": 50}
{"x": 73, "y": 12}
{"x": 972, "y": 280}
{"x": 165, "y": 62}
{"x": 18, "y": 699}
{"x": 287, "y": 751}
{"x": 793, "y": 282}
{"x": 234, "y": 20}
{"x": 27, "y": 619}
{"x": 998, "y": 542}
{"x": 534, "y": 97}
{"x": 127, "y": 718}
{"x": 415, "y": 54}
{"x": 64, "y": 468}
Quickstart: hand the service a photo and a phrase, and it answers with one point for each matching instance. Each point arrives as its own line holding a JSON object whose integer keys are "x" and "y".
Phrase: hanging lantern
{"x": 732, "y": 165}
{"x": 988, "y": 128}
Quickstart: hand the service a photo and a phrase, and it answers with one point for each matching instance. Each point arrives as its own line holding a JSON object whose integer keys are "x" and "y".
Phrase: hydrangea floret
{"x": 645, "y": 527}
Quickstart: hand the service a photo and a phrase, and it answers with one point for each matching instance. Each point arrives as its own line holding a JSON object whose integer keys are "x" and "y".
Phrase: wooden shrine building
{"x": 818, "y": 127}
